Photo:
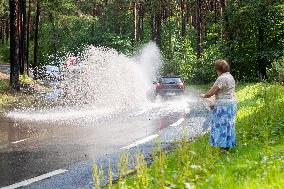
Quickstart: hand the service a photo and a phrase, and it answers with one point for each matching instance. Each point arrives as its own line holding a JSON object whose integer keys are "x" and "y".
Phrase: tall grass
{"x": 10, "y": 97}
{"x": 4, "y": 85}
{"x": 5, "y": 98}
{"x": 256, "y": 162}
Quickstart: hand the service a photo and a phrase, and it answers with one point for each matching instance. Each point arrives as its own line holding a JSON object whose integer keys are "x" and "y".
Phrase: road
{"x": 5, "y": 68}
{"x": 43, "y": 154}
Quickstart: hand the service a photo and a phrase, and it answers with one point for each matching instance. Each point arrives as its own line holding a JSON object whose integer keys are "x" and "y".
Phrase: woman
{"x": 223, "y": 133}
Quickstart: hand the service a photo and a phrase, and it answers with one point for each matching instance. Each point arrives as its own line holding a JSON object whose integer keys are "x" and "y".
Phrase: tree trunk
{"x": 2, "y": 34}
{"x": 170, "y": 44}
{"x": 36, "y": 63}
{"x": 139, "y": 10}
{"x": 134, "y": 21}
{"x": 19, "y": 28}
{"x": 94, "y": 13}
{"x": 177, "y": 17}
{"x": 183, "y": 17}
{"x": 140, "y": 22}
{"x": 261, "y": 38}
{"x": 223, "y": 4}
{"x": 28, "y": 36}
{"x": 54, "y": 34}
{"x": 215, "y": 11}
{"x": 23, "y": 37}
{"x": 142, "y": 25}
{"x": 224, "y": 33}
{"x": 189, "y": 14}
{"x": 7, "y": 31}
{"x": 169, "y": 31}
{"x": 215, "y": 19}
{"x": 198, "y": 27}
{"x": 158, "y": 29}
{"x": 14, "y": 50}
{"x": 152, "y": 25}
{"x": 261, "y": 60}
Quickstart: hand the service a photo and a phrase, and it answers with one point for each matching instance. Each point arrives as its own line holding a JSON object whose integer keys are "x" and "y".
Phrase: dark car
{"x": 170, "y": 86}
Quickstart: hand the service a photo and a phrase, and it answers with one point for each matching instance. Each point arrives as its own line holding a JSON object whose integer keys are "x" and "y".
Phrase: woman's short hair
{"x": 222, "y": 66}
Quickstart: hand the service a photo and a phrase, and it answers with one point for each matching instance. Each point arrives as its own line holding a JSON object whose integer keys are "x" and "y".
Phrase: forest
{"x": 190, "y": 33}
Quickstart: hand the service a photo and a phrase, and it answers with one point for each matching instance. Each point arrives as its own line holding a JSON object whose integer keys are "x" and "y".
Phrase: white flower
{"x": 189, "y": 186}
{"x": 195, "y": 166}
{"x": 265, "y": 158}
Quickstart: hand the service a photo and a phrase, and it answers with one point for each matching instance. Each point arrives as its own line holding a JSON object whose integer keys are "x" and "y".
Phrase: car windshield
{"x": 170, "y": 80}
{"x": 51, "y": 69}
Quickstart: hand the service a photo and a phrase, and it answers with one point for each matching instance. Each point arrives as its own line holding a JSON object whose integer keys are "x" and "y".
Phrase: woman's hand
{"x": 202, "y": 95}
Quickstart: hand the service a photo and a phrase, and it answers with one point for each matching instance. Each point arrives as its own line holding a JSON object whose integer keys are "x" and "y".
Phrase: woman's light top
{"x": 226, "y": 83}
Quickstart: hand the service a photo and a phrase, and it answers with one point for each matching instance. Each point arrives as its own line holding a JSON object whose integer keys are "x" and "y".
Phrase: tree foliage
{"x": 191, "y": 33}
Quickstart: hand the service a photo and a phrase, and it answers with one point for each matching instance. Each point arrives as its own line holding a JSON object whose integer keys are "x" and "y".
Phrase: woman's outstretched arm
{"x": 214, "y": 89}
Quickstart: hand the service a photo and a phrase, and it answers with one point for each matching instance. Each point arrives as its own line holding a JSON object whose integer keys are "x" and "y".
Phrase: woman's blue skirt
{"x": 223, "y": 133}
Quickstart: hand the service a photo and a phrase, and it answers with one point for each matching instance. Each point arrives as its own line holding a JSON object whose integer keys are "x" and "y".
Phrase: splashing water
{"x": 106, "y": 77}
{"x": 104, "y": 82}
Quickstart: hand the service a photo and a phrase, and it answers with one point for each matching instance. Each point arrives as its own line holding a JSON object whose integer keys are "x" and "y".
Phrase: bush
{"x": 276, "y": 72}
{"x": 183, "y": 58}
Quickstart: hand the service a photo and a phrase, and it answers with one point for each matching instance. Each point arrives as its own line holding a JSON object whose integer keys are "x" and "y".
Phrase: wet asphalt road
{"x": 32, "y": 148}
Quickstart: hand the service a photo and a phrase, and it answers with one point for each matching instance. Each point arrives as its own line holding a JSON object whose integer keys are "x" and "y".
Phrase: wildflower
{"x": 195, "y": 166}
{"x": 265, "y": 158}
{"x": 188, "y": 185}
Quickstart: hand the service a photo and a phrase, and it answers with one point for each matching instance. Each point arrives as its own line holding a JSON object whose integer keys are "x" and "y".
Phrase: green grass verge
{"x": 4, "y": 85}
{"x": 257, "y": 161}
{"x": 7, "y": 97}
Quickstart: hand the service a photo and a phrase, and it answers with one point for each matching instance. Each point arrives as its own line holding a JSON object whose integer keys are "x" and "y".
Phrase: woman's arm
{"x": 214, "y": 89}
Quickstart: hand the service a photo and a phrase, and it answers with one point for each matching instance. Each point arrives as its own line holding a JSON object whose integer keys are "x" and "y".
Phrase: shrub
{"x": 276, "y": 72}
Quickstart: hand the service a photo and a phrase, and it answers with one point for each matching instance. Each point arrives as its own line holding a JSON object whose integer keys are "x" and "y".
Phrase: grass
{"x": 2, "y": 61}
{"x": 4, "y": 85}
{"x": 26, "y": 80}
{"x": 7, "y": 97}
{"x": 256, "y": 162}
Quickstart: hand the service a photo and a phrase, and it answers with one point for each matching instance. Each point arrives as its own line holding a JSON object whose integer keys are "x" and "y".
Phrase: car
{"x": 52, "y": 73}
{"x": 171, "y": 85}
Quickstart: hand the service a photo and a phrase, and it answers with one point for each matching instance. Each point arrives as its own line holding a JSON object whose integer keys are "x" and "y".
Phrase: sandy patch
{"x": 4, "y": 76}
